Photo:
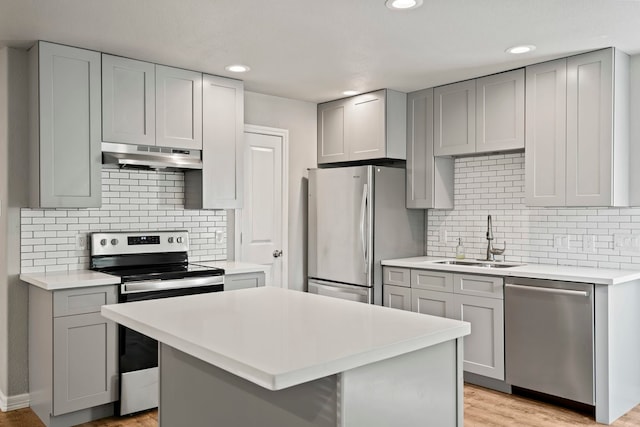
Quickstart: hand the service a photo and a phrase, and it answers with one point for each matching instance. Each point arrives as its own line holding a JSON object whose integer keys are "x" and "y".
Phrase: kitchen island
{"x": 276, "y": 357}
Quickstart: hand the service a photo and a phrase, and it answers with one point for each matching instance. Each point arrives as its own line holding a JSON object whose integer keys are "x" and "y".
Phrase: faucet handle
{"x": 497, "y": 251}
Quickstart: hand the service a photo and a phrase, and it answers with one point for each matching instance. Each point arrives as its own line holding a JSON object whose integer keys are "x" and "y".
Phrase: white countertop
{"x": 278, "y": 338}
{"x": 600, "y": 276}
{"x": 235, "y": 267}
{"x": 54, "y": 281}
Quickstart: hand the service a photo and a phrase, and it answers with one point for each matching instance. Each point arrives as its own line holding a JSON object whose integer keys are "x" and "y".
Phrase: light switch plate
{"x": 589, "y": 244}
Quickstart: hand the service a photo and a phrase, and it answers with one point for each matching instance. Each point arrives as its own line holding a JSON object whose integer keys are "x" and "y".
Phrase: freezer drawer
{"x": 342, "y": 291}
{"x": 549, "y": 337}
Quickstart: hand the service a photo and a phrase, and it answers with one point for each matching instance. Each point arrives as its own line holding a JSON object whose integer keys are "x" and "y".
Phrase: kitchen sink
{"x": 479, "y": 263}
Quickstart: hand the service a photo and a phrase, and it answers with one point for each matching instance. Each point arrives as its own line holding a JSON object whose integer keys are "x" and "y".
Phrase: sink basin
{"x": 483, "y": 264}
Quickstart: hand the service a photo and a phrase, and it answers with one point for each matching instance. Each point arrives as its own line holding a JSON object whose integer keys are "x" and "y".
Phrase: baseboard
{"x": 11, "y": 403}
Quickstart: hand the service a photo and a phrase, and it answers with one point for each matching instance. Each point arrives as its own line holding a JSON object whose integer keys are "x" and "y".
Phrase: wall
{"x": 299, "y": 118}
{"x": 13, "y": 194}
{"x": 131, "y": 200}
{"x": 494, "y": 185}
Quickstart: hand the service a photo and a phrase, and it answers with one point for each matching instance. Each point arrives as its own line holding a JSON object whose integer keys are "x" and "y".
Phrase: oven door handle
{"x": 161, "y": 285}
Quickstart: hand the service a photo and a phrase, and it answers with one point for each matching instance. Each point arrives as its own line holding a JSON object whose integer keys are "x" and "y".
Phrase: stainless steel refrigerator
{"x": 357, "y": 217}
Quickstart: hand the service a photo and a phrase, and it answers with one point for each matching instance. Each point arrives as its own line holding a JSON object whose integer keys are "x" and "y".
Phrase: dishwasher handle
{"x": 555, "y": 291}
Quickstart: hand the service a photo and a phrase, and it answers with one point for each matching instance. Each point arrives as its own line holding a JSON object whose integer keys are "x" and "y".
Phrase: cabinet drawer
{"x": 243, "y": 281}
{"x": 84, "y": 300}
{"x": 396, "y": 276}
{"x": 482, "y": 286}
{"x": 432, "y": 280}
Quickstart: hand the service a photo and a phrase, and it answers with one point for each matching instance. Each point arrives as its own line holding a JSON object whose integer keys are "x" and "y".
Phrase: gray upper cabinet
{"x": 480, "y": 116}
{"x": 178, "y": 108}
{"x": 429, "y": 178}
{"x": 128, "y": 101}
{"x": 219, "y": 184}
{"x": 577, "y": 141}
{"x": 331, "y": 132}
{"x": 500, "y": 112}
{"x": 364, "y": 127}
{"x": 455, "y": 119}
{"x": 546, "y": 136}
{"x": 65, "y": 122}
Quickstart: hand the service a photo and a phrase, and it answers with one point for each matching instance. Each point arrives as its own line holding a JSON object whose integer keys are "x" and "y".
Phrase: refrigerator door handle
{"x": 363, "y": 211}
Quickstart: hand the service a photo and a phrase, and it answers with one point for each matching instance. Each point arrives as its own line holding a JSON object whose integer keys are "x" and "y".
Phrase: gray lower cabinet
{"x": 73, "y": 355}
{"x": 476, "y": 299}
{"x": 484, "y": 348}
{"x": 396, "y": 297}
{"x": 65, "y": 127}
{"x": 219, "y": 184}
{"x": 243, "y": 280}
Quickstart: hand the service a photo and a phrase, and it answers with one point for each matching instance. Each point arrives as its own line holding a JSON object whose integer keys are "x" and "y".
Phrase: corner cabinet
{"x": 65, "y": 122}
{"x": 473, "y": 298}
{"x": 73, "y": 355}
{"x": 219, "y": 184}
{"x": 429, "y": 178}
{"x": 480, "y": 116}
{"x": 577, "y": 139}
{"x": 365, "y": 127}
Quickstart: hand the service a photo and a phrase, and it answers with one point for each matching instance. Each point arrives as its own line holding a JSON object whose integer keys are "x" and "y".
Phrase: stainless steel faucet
{"x": 491, "y": 251}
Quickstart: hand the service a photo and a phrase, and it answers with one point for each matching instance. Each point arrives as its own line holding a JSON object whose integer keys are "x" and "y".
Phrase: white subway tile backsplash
{"x": 494, "y": 184}
{"x": 135, "y": 200}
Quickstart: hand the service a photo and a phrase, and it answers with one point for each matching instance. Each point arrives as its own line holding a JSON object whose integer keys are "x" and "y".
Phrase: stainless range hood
{"x": 130, "y": 156}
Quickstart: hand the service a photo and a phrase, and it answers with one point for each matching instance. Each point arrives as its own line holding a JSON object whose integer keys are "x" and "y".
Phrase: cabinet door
{"x": 546, "y": 143}
{"x": 68, "y": 136}
{"x": 128, "y": 101}
{"x": 455, "y": 119}
{"x": 484, "y": 348}
{"x": 396, "y": 297}
{"x": 500, "y": 112}
{"x": 85, "y": 371}
{"x": 243, "y": 281}
{"x": 178, "y": 108}
{"x": 331, "y": 132}
{"x": 590, "y": 129}
{"x": 219, "y": 184}
{"x": 366, "y": 126}
{"x": 432, "y": 302}
{"x": 429, "y": 179}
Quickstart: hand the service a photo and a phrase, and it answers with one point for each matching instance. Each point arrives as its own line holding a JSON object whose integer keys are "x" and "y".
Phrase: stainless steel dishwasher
{"x": 549, "y": 336}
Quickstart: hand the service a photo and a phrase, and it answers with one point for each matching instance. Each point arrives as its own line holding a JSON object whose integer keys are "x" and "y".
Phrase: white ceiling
{"x": 314, "y": 49}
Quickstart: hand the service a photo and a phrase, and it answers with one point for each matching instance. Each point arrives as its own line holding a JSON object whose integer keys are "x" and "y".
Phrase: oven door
{"x": 139, "y": 353}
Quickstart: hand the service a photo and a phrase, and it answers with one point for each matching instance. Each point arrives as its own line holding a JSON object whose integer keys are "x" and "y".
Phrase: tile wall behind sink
{"x": 494, "y": 184}
{"x": 131, "y": 200}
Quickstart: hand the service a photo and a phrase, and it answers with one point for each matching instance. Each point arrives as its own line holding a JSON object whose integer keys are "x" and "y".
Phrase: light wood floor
{"x": 482, "y": 407}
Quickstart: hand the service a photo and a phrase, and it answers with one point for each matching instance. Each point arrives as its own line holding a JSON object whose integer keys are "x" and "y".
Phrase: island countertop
{"x": 277, "y": 338}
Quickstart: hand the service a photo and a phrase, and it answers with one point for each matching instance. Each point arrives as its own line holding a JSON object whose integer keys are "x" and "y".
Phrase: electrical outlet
{"x": 219, "y": 236}
{"x": 561, "y": 241}
{"x": 622, "y": 242}
{"x": 443, "y": 235}
{"x": 589, "y": 244}
{"x": 81, "y": 242}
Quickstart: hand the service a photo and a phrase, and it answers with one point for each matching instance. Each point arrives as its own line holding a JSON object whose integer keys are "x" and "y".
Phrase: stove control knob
{"x": 170, "y": 239}
{"x": 114, "y": 242}
{"x": 103, "y": 242}
{"x": 179, "y": 240}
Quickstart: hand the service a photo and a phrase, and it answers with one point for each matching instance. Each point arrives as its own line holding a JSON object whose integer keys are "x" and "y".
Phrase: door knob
{"x": 277, "y": 253}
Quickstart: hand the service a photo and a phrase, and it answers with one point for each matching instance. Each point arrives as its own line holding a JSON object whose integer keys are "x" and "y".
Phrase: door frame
{"x": 284, "y": 134}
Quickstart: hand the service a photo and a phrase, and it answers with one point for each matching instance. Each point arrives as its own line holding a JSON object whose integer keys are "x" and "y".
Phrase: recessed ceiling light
{"x": 403, "y": 4}
{"x": 350, "y": 92}
{"x": 237, "y": 68}
{"x": 516, "y": 50}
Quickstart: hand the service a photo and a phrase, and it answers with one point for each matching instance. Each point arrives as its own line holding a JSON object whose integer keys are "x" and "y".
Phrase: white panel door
{"x": 365, "y": 129}
{"x": 261, "y": 239}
